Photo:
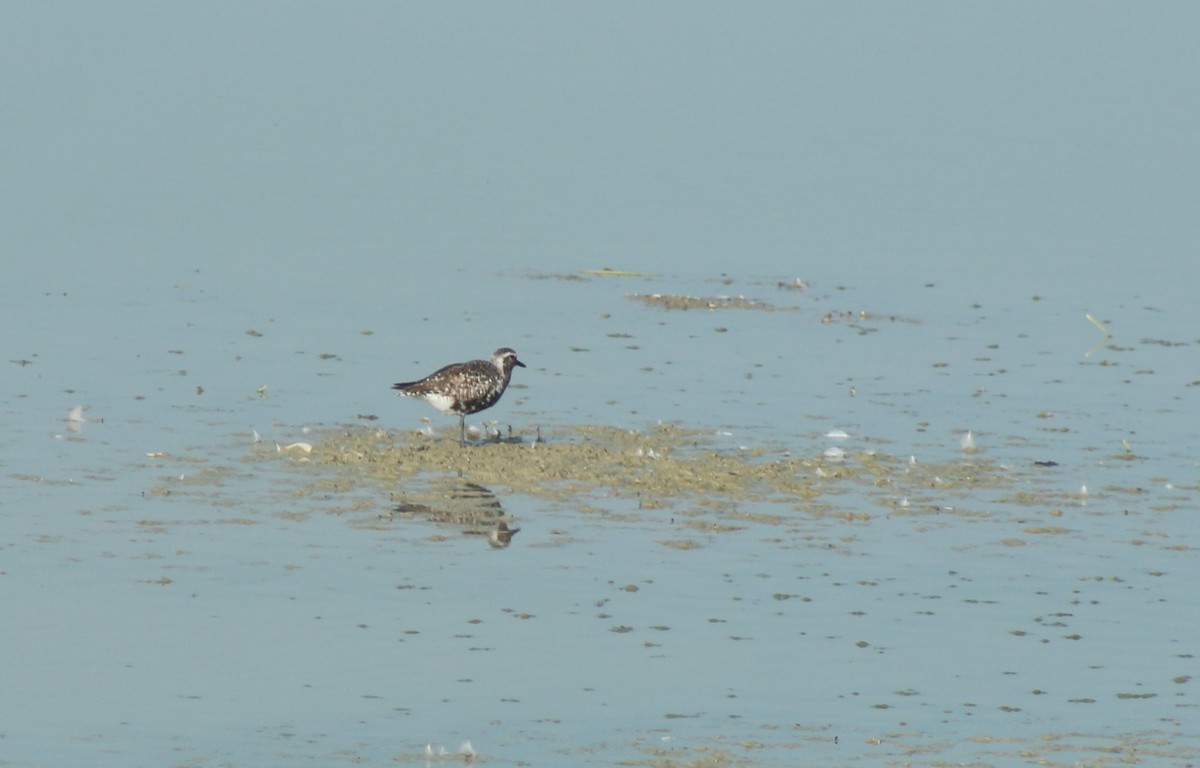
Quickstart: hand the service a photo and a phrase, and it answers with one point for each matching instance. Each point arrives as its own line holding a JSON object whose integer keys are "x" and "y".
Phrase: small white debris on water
{"x": 466, "y": 751}
{"x": 75, "y": 413}
{"x": 837, "y": 434}
{"x": 75, "y": 419}
{"x": 968, "y": 442}
{"x": 834, "y": 453}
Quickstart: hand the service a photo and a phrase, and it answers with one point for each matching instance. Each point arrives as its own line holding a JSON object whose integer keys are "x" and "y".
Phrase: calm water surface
{"x": 194, "y": 607}
{"x": 235, "y": 229}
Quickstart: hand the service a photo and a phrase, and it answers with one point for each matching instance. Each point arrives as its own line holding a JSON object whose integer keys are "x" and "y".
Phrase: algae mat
{"x": 664, "y": 467}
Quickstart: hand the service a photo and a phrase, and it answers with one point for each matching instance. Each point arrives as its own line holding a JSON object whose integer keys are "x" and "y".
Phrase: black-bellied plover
{"x": 465, "y": 388}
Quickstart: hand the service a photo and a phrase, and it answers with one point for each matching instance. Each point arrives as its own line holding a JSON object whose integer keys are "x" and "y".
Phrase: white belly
{"x": 442, "y": 402}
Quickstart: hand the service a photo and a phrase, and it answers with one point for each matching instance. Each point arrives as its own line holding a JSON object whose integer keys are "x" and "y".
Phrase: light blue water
{"x": 224, "y": 221}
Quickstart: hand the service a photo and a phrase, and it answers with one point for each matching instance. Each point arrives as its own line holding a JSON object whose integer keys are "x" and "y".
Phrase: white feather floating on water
{"x": 75, "y": 418}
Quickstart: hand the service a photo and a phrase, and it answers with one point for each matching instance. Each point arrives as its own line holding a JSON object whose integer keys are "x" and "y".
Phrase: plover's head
{"x": 505, "y": 358}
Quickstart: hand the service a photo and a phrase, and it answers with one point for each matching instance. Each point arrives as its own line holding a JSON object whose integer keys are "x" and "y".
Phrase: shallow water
{"x": 180, "y": 592}
{"x": 875, "y": 442}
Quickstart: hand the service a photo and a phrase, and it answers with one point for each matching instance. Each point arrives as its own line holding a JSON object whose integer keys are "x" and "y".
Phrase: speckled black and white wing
{"x": 465, "y": 388}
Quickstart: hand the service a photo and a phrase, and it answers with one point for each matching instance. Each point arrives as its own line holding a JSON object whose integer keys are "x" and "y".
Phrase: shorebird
{"x": 465, "y": 388}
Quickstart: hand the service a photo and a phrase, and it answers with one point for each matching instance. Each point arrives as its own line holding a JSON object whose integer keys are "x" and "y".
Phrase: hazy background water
{"x": 203, "y": 199}
{"x": 279, "y": 142}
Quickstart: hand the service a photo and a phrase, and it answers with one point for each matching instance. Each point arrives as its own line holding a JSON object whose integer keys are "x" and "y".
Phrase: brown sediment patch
{"x": 691, "y": 473}
{"x": 1047, "y": 529}
{"x": 918, "y": 749}
{"x": 856, "y": 319}
{"x": 660, "y": 465}
{"x": 677, "y": 301}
